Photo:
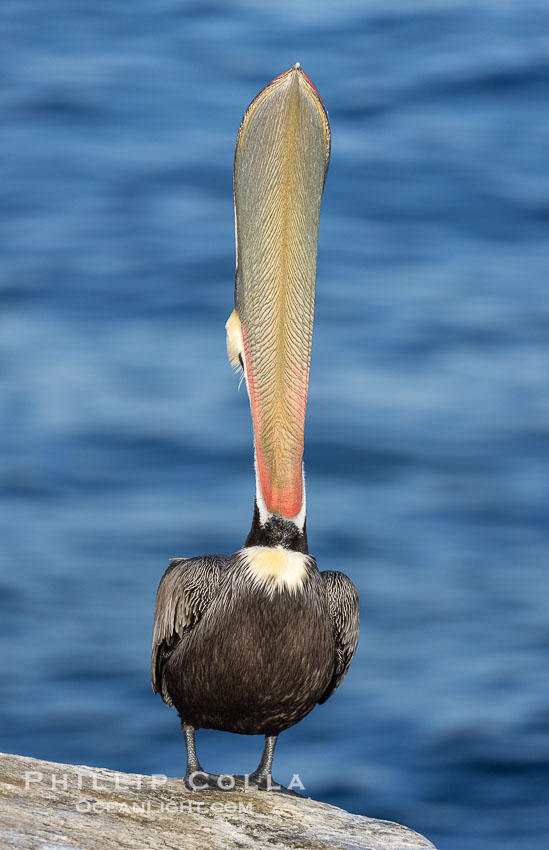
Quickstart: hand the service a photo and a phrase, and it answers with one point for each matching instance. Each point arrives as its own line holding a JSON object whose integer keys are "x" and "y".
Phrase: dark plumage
{"x": 231, "y": 656}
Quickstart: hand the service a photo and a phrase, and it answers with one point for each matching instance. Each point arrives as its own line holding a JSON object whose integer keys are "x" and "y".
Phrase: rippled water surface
{"x": 124, "y": 440}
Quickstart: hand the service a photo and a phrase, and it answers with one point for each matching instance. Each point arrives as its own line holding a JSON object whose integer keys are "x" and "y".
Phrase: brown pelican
{"x": 251, "y": 642}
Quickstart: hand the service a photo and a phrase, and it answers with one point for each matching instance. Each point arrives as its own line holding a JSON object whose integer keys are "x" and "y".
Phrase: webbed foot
{"x": 200, "y": 780}
{"x": 265, "y": 782}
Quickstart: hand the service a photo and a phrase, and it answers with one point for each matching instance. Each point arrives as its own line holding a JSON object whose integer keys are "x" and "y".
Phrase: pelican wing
{"x": 344, "y": 610}
{"x": 185, "y": 591}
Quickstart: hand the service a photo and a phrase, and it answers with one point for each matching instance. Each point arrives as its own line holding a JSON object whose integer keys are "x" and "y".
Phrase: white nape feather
{"x": 259, "y": 500}
{"x": 275, "y": 569}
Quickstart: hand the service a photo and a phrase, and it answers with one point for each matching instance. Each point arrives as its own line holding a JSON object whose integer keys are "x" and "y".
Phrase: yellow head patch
{"x": 235, "y": 346}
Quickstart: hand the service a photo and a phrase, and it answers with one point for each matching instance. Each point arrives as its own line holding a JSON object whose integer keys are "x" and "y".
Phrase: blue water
{"x": 124, "y": 440}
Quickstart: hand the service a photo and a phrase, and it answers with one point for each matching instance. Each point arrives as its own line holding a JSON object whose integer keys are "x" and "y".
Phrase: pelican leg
{"x": 262, "y": 777}
{"x": 196, "y": 778}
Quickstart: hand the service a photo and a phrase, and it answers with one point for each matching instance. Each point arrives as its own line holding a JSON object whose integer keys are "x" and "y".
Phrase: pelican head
{"x": 281, "y": 159}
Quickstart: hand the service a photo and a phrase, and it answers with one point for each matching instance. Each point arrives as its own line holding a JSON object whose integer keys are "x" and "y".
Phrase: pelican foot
{"x": 200, "y": 780}
{"x": 265, "y": 782}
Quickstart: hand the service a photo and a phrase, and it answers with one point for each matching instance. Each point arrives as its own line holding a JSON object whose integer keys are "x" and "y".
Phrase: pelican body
{"x": 251, "y": 642}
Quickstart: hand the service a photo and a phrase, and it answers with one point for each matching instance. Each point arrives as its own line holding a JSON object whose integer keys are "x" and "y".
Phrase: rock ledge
{"x": 50, "y": 806}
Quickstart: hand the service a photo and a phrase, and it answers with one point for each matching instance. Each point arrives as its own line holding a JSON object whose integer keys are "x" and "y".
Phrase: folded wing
{"x": 344, "y": 610}
{"x": 185, "y": 591}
